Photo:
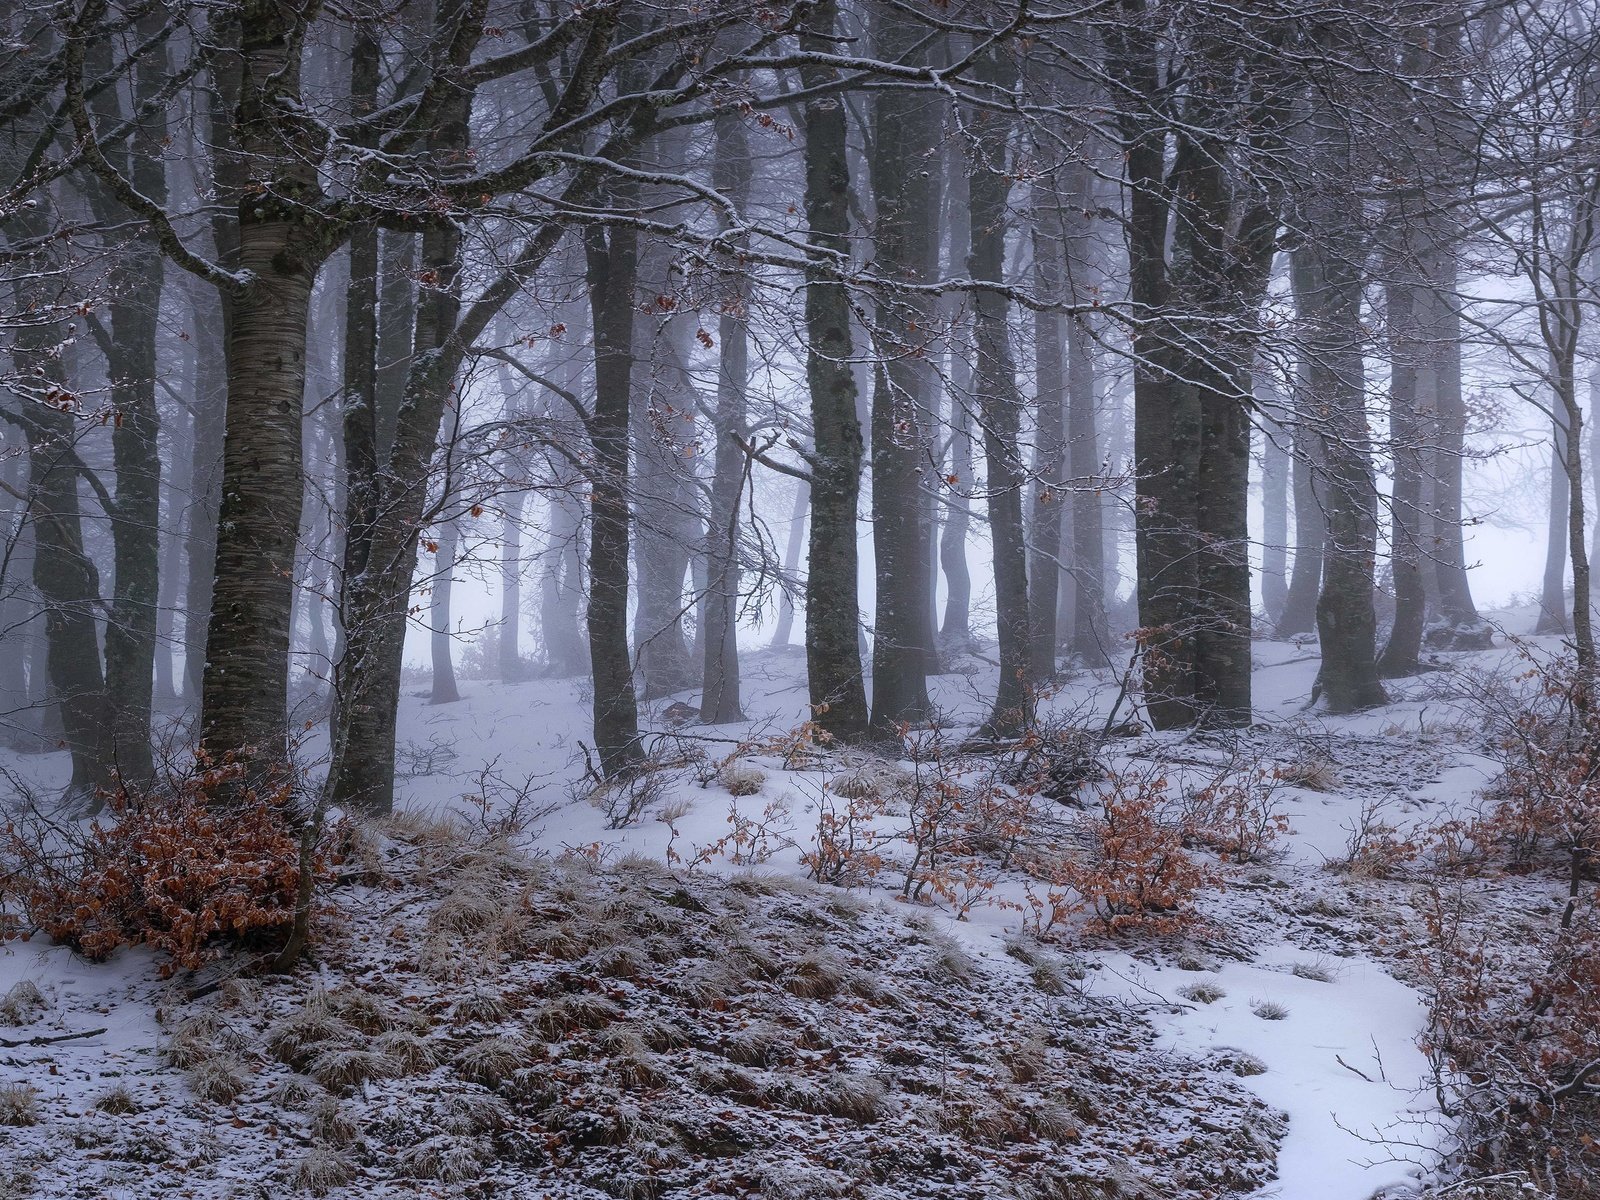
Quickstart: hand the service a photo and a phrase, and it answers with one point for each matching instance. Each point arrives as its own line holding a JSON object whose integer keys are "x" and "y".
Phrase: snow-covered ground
{"x": 1295, "y": 968}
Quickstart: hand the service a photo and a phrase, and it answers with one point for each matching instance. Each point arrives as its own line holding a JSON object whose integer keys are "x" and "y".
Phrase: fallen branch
{"x": 1338, "y": 1059}
{"x": 9, "y": 1044}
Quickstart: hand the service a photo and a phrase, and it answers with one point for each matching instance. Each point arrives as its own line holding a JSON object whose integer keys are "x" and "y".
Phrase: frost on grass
{"x": 322, "y": 1170}
{"x": 578, "y": 1032}
{"x": 741, "y": 779}
{"x": 1270, "y": 1010}
{"x": 19, "y": 1104}
{"x": 1205, "y": 991}
{"x": 23, "y": 1004}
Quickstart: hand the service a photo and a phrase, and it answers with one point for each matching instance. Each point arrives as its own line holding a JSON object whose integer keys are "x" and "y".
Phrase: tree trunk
{"x": 1328, "y": 286}
{"x": 136, "y": 281}
{"x": 377, "y": 596}
{"x": 719, "y": 638}
{"x": 833, "y": 619}
{"x": 509, "y": 642}
{"x": 1050, "y": 470}
{"x": 1553, "y": 595}
{"x": 562, "y": 588}
{"x": 1166, "y": 413}
{"x": 19, "y": 612}
{"x": 1222, "y": 651}
{"x": 1000, "y": 411}
{"x": 791, "y": 563}
{"x": 1594, "y": 456}
{"x": 905, "y": 189}
{"x": 1582, "y": 614}
{"x": 667, "y": 524}
{"x": 245, "y": 684}
{"x": 205, "y": 474}
{"x": 1090, "y": 637}
{"x": 69, "y": 588}
{"x": 178, "y": 494}
{"x": 1299, "y": 614}
{"x": 613, "y": 266}
{"x": 955, "y": 629}
{"x": 1274, "y": 520}
{"x": 1406, "y": 435}
{"x": 444, "y": 690}
{"x": 64, "y": 575}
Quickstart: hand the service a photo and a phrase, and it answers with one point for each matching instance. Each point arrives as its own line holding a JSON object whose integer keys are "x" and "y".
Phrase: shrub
{"x": 1134, "y": 871}
{"x": 201, "y": 862}
{"x": 848, "y": 849}
{"x": 947, "y": 821}
{"x": 1375, "y": 847}
{"x": 1237, "y": 815}
{"x": 750, "y": 840}
{"x": 1514, "y": 1038}
{"x": 1547, "y": 739}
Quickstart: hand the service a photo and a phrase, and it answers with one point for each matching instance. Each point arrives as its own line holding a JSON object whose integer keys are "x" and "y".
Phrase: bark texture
{"x": 833, "y": 619}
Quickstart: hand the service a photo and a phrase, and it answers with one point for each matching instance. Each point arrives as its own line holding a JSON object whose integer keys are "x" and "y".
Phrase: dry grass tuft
{"x": 1313, "y": 774}
{"x": 557, "y": 939}
{"x": 408, "y": 1053}
{"x": 364, "y": 1011}
{"x": 846, "y": 1094}
{"x": 117, "y": 1100}
{"x": 222, "y": 1079}
{"x": 19, "y": 1105}
{"x": 1239, "y": 1062}
{"x": 1027, "y": 1059}
{"x": 741, "y": 779}
{"x": 815, "y": 976}
{"x": 301, "y": 1037}
{"x": 23, "y": 1004}
{"x": 471, "y": 907}
{"x": 345, "y": 1068}
{"x": 1205, "y": 991}
{"x": 241, "y": 994}
{"x": 601, "y": 1119}
{"x": 298, "y": 1094}
{"x": 479, "y": 1005}
{"x": 1049, "y": 977}
{"x": 873, "y": 779}
{"x": 949, "y": 962}
{"x": 447, "y": 1158}
{"x": 757, "y": 1045}
{"x": 1270, "y": 1010}
{"x": 476, "y": 1113}
{"x": 638, "y": 1070}
{"x": 1053, "y": 1121}
{"x": 331, "y": 1124}
{"x": 323, "y": 1169}
{"x": 559, "y": 1018}
{"x": 492, "y": 1061}
{"x": 622, "y": 962}
{"x": 660, "y": 1035}
{"x": 800, "y": 1181}
{"x": 989, "y": 1120}
{"x": 703, "y": 985}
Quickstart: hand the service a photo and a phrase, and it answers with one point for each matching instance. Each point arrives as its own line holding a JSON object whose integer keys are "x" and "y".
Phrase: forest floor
{"x": 512, "y": 998}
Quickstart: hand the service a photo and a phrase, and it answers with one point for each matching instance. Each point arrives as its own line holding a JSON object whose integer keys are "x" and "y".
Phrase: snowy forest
{"x": 799, "y": 599}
